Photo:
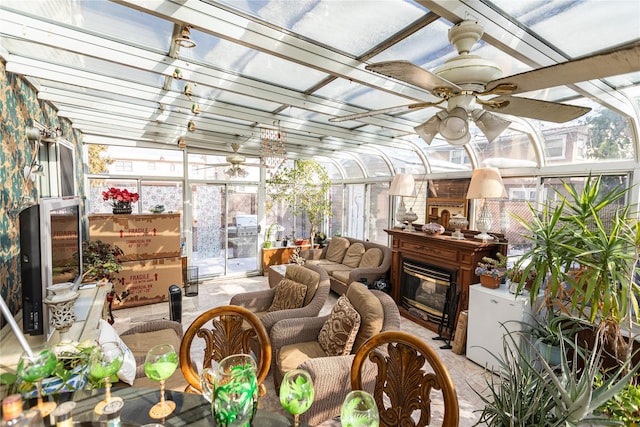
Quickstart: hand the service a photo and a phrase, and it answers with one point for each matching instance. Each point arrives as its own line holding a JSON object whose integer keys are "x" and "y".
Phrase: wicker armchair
{"x": 330, "y": 374}
{"x": 259, "y": 301}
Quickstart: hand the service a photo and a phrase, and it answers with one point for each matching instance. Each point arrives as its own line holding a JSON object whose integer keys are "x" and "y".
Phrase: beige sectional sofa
{"x": 347, "y": 260}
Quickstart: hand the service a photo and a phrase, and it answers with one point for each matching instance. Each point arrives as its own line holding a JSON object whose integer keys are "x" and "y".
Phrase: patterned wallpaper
{"x": 19, "y": 105}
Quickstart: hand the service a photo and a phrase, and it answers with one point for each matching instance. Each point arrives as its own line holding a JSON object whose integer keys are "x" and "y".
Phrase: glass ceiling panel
{"x": 102, "y": 17}
{"x": 510, "y": 149}
{"x": 444, "y": 157}
{"x": 248, "y": 62}
{"x": 205, "y": 93}
{"x": 404, "y": 160}
{"x": 360, "y": 95}
{"x": 82, "y": 62}
{"x": 374, "y": 165}
{"x": 380, "y": 131}
{"x": 330, "y": 167}
{"x": 121, "y": 22}
{"x": 566, "y": 24}
{"x": 353, "y": 27}
{"x": 350, "y": 167}
{"x": 97, "y": 93}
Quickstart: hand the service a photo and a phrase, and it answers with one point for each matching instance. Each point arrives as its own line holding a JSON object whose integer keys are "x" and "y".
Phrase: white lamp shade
{"x": 486, "y": 183}
{"x": 428, "y": 130}
{"x": 403, "y": 184}
{"x": 490, "y": 124}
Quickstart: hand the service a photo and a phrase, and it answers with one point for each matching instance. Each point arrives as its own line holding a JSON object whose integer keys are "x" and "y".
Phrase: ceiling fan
{"x": 236, "y": 161}
{"x": 465, "y": 80}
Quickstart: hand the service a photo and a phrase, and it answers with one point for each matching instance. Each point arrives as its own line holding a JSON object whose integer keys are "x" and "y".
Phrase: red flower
{"x": 120, "y": 197}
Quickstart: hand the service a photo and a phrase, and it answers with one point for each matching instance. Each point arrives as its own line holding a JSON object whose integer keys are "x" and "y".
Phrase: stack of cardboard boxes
{"x": 151, "y": 246}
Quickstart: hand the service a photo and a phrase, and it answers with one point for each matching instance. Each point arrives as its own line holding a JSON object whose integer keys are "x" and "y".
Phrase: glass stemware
{"x": 36, "y": 367}
{"x": 296, "y": 393}
{"x": 235, "y": 397}
{"x": 208, "y": 381}
{"x": 159, "y": 364}
{"x": 105, "y": 361}
{"x": 359, "y": 409}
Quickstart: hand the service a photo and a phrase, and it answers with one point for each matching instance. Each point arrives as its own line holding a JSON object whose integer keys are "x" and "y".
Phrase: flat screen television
{"x": 50, "y": 253}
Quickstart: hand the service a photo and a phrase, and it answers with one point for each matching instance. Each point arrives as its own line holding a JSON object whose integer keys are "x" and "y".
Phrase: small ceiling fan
{"x": 465, "y": 80}
{"x": 236, "y": 161}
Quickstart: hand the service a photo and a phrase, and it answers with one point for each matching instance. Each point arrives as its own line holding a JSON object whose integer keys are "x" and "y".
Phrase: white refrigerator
{"x": 488, "y": 310}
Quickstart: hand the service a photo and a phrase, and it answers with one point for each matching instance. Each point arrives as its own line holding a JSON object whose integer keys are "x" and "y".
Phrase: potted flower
{"x": 120, "y": 200}
{"x": 492, "y": 270}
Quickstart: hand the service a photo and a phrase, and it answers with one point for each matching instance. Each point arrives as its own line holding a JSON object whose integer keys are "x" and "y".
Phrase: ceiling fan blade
{"x": 385, "y": 111}
{"x": 536, "y": 109}
{"x": 620, "y": 61}
{"x": 411, "y": 73}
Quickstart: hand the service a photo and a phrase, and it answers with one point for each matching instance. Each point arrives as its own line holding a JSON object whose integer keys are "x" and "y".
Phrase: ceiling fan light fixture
{"x": 456, "y": 125}
{"x": 460, "y": 141}
{"x": 490, "y": 124}
{"x": 428, "y": 130}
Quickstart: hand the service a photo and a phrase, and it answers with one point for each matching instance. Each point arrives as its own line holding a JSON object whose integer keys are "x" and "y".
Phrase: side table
{"x": 276, "y": 274}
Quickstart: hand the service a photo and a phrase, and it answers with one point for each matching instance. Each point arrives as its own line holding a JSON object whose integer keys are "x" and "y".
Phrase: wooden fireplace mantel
{"x": 442, "y": 251}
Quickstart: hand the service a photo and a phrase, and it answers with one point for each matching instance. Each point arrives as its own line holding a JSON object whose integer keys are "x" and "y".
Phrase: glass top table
{"x": 191, "y": 409}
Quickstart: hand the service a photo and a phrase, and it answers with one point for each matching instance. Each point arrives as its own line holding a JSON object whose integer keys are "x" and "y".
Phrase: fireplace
{"x": 428, "y": 292}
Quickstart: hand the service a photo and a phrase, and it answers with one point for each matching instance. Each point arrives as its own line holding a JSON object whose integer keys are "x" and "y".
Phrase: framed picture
{"x": 440, "y": 210}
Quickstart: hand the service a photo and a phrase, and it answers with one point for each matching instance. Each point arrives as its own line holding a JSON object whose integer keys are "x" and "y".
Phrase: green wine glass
{"x": 296, "y": 393}
{"x": 359, "y": 409}
{"x": 105, "y": 361}
{"x": 35, "y": 367}
{"x": 235, "y": 397}
{"x": 159, "y": 364}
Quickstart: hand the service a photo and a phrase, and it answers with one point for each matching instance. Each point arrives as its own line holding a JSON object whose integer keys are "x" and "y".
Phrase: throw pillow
{"x": 339, "y": 331}
{"x": 336, "y": 249}
{"x": 353, "y": 255}
{"x": 370, "y": 309}
{"x": 371, "y": 258}
{"x": 127, "y": 372}
{"x": 306, "y": 275}
{"x": 289, "y": 294}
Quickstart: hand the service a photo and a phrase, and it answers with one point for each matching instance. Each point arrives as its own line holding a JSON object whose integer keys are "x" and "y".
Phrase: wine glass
{"x": 296, "y": 393}
{"x": 208, "y": 381}
{"x": 35, "y": 367}
{"x": 159, "y": 364}
{"x": 359, "y": 409}
{"x": 235, "y": 397}
{"x": 105, "y": 361}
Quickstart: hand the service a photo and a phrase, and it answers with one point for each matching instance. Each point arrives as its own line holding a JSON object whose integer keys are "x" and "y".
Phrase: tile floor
{"x": 466, "y": 375}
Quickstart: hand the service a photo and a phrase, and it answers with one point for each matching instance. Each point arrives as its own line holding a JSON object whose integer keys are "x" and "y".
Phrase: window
{"x": 556, "y": 148}
{"x": 124, "y": 166}
{"x": 151, "y": 166}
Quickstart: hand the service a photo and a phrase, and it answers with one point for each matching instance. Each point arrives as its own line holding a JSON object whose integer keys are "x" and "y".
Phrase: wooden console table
{"x": 277, "y": 256}
{"x": 461, "y": 256}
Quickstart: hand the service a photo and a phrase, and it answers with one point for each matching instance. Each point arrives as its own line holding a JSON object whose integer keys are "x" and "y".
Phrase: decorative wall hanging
{"x": 273, "y": 151}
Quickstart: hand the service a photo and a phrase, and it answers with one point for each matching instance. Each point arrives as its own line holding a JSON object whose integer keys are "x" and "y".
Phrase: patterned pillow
{"x": 339, "y": 331}
{"x": 289, "y": 294}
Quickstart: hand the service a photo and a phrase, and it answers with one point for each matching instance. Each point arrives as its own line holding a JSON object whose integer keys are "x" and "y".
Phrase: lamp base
{"x": 484, "y": 236}
{"x": 457, "y": 235}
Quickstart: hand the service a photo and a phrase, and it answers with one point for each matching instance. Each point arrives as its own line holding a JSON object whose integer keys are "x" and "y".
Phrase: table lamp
{"x": 403, "y": 185}
{"x": 486, "y": 183}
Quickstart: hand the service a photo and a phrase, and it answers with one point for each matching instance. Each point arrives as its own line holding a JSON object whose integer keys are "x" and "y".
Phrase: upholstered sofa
{"x": 347, "y": 260}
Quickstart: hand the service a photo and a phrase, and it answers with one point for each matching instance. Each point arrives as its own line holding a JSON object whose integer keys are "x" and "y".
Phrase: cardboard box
{"x": 139, "y": 236}
{"x": 148, "y": 281}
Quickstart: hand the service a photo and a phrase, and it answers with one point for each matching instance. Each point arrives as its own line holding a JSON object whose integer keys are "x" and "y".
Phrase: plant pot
{"x": 126, "y": 210}
{"x": 267, "y": 245}
{"x": 490, "y": 281}
{"x": 551, "y": 353}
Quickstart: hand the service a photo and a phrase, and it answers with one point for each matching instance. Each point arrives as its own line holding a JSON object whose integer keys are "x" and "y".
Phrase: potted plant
{"x": 585, "y": 266}
{"x": 120, "y": 200}
{"x": 492, "y": 270}
{"x": 305, "y": 189}
{"x": 100, "y": 260}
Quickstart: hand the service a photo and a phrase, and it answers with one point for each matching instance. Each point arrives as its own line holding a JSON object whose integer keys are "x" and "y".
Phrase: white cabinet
{"x": 489, "y": 309}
